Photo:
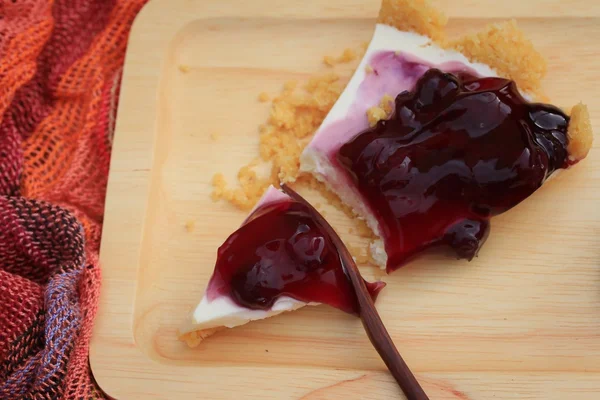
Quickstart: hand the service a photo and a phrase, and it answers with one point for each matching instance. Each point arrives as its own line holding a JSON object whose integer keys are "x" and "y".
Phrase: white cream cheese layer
{"x": 223, "y": 311}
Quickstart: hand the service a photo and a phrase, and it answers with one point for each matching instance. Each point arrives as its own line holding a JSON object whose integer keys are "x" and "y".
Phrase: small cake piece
{"x": 279, "y": 260}
{"x": 461, "y": 146}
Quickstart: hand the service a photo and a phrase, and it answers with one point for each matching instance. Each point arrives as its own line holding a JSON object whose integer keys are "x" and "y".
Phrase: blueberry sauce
{"x": 458, "y": 150}
{"x": 281, "y": 250}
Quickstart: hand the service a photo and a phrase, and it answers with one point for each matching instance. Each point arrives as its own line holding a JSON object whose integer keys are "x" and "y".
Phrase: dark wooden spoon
{"x": 378, "y": 335}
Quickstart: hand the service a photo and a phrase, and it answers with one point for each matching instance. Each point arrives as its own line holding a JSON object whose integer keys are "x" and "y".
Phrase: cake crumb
{"x": 375, "y": 114}
{"x": 189, "y": 226}
{"x": 381, "y": 111}
{"x": 368, "y": 69}
{"x": 290, "y": 85}
{"x": 580, "y": 132}
{"x": 387, "y": 103}
{"x": 219, "y": 185}
{"x": 184, "y": 68}
{"x": 347, "y": 56}
{"x": 263, "y": 97}
{"x": 330, "y": 61}
{"x": 244, "y": 197}
{"x": 214, "y": 136}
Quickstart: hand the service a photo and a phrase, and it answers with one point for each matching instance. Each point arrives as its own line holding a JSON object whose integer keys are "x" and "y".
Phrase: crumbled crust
{"x": 580, "y": 132}
{"x": 347, "y": 56}
{"x": 290, "y": 85}
{"x": 375, "y": 114}
{"x": 415, "y": 16}
{"x": 505, "y": 48}
{"x": 193, "y": 339}
{"x": 294, "y": 117}
{"x": 263, "y": 97}
{"x": 250, "y": 191}
{"x": 189, "y": 226}
{"x": 381, "y": 111}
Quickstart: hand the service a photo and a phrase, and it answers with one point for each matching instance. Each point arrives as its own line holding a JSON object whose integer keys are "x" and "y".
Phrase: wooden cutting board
{"x": 522, "y": 321}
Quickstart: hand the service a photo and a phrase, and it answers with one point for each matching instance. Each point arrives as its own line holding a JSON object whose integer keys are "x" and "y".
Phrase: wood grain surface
{"x": 522, "y": 321}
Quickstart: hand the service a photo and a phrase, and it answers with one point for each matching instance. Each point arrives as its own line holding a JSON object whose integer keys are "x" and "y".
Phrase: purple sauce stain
{"x": 392, "y": 73}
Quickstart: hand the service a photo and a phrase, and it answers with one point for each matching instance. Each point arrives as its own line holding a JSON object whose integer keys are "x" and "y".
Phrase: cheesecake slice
{"x": 426, "y": 144}
{"x": 280, "y": 259}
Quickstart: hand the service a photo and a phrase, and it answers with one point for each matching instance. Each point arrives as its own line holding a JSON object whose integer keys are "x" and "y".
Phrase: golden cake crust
{"x": 505, "y": 48}
{"x": 580, "y": 132}
{"x": 414, "y": 16}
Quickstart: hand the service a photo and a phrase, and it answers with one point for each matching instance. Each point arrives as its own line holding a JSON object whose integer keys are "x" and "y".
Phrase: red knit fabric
{"x": 60, "y": 68}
